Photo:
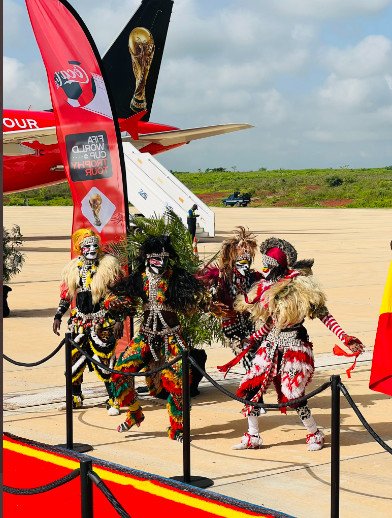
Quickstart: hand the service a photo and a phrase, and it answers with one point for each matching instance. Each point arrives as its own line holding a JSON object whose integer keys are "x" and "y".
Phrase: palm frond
{"x": 201, "y": 329}
{"x": 198, "y": 329}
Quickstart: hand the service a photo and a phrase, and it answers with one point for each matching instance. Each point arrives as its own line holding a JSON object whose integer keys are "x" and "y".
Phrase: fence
{"x": 88, "y": 476}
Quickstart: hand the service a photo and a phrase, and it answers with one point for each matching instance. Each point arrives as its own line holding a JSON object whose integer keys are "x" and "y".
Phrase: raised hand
{"x": 354, "y": 344}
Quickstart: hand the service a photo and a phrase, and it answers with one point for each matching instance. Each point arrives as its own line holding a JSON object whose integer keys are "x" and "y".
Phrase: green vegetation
{"x": 342, "y": 187}
{"x": 13, "y": 258}
{"x": 196, "y": 329}
{"x": 55, "y": 195}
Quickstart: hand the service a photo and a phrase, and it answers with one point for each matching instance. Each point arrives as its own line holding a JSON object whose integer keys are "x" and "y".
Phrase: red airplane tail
{"x": 131, "y": 124}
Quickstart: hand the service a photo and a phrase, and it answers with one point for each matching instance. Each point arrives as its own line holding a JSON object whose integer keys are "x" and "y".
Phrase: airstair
{"x": 152, "y": 189}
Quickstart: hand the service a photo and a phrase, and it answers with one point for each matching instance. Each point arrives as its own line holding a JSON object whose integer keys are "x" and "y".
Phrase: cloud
{"x": 14, "y": 14}
{"x": 371, "y": 56}
{"x": 388, "y": 79}
{"x": 266, "y": 63}
{"x": 271, "y": 107}
{"x": 25, "y": 85}
{"x": 357, "y": 83}
{"x": 18, "y": 39}
{"x": 344, "y": 93}
{"x": 304, "y": 33}
{"x": 328, "y": 9}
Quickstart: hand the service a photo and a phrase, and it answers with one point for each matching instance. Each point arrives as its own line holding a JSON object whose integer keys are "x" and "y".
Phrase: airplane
{"x": 31, "y": 156}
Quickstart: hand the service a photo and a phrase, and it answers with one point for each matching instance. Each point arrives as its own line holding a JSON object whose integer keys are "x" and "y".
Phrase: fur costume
{"x": 286, "y": 355}
{"x": 84, "y": 284}
{"x": 280, "y": 302}
{"x": 289, "y": 300}
{"x": 225, "y": 282}
{"x": 107, "y": 274}
{"x": 164, "y": 289}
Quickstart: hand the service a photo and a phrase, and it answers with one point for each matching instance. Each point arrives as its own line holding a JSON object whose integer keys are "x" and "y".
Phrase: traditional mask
{"x": 89, "y": 248}
{"x": 157, "y": 263}
{"x": 243, "y": 263}
{"x": 271, "y": 270}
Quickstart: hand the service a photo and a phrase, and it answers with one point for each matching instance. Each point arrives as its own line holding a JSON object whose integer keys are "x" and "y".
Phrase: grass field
{"x": 342, "y": 187}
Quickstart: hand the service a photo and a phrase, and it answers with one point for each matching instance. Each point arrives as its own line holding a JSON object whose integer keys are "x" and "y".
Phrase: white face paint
{"x": 271, "y": 271}
{"x": 242, "y": 266}
{"x": 157, "y": 263}
{"x": 89, "y": 248}
{"x": 265, "y": 272}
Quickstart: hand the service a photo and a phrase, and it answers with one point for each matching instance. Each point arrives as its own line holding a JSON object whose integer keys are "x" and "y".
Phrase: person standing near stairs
{"x": 191, "y": 221}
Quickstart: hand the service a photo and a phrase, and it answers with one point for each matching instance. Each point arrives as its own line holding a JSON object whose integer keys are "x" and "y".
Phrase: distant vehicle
{"x": 237, "y": 199}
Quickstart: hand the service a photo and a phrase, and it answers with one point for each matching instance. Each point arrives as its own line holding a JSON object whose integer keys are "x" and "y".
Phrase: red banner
{"x": 88, "y": 135}
{"x": 381, "y": 369}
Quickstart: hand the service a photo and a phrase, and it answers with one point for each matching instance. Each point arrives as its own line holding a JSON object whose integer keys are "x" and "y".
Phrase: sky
{"x": 314, "y": 78}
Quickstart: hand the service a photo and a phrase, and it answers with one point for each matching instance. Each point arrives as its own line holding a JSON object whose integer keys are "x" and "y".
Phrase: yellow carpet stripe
{"x": 386, "y": 303}
{"x": 41, "y": 455}
{"x": 142, "y": 485}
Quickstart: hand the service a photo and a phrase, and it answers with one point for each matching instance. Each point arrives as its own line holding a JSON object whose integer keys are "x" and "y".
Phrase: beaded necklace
{"x": 155, "y": 286}
{"x": 87, "y": 270}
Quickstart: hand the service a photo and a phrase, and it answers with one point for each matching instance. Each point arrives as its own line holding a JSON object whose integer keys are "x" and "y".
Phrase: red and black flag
{"x": 87, "y": 129}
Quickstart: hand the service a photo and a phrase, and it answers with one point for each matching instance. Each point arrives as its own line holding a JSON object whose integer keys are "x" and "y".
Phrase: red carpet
{"x": 28, "y": 464}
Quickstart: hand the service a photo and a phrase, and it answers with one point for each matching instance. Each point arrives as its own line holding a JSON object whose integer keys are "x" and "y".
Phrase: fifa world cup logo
{"x": 95, "y": 202}
{"x": 141, "y": 47}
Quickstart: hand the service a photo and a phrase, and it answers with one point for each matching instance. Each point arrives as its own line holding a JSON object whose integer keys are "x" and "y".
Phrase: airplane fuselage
{"x": 44, "y": 166}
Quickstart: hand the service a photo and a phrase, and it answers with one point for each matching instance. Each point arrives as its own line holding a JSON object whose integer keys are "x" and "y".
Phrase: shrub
{"x": 13, "y": 258}
{"x": 334, "y": 181}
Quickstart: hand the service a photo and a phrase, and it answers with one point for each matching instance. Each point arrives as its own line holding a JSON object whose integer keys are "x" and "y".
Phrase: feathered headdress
{"x": 281, "y": 250}
{"x": 80, "y": 235}
{"x": 285, "y": 254}
{"x": 157, "y": 245}
{"x": 242, "y": 243}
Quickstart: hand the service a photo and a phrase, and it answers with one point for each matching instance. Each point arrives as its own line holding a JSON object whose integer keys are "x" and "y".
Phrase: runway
{"x": 352, "y": 254}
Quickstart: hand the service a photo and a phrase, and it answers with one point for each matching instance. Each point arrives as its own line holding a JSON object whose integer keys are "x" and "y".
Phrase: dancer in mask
{"x": 281, "y": 301}
{"x": 164, "y": 289}
{"x": 85, "y": 281}
{"x": 231, "y": 276}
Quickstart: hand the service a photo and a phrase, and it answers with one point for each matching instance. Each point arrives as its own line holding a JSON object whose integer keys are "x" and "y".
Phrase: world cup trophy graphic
{"x": 141, "y": 47}
{"x": 95, "y": 202}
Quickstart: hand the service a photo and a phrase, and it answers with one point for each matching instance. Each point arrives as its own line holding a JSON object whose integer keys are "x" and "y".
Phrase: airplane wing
{"x": 173, "y": 137}
{"x": 27, "y": 142}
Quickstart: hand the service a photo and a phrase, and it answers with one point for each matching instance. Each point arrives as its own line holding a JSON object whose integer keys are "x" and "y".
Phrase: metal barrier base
{"x": 77, "y": 446}
{"x": 202, "y": 482}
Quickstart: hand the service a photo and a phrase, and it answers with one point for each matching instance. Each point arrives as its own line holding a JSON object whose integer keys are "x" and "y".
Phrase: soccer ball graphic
{"x": 77, "y": 85}
{"x": 79, "y": 95}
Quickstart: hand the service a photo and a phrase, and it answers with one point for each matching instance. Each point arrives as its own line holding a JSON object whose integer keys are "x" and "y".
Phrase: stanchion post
{"x": 186, "y": 412}
{"x": 86, "y": 488}
{"x": 196, "y": 481}
{"x": 335, "y": 446}
{"x": 68, "y": 393}
{"x": 70, "y": 445}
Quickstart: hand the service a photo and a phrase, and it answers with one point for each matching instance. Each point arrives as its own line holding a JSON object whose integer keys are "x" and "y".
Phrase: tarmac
{"x": 352, "y": 254}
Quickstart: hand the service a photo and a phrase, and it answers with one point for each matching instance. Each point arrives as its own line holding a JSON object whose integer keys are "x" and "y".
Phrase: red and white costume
{"x": 281, "y": 302}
